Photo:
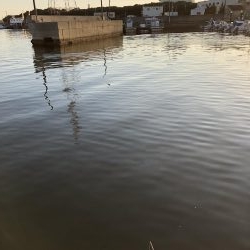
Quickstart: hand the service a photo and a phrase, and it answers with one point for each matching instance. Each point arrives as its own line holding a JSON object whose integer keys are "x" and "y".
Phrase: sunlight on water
{"x": 115, "y": 143}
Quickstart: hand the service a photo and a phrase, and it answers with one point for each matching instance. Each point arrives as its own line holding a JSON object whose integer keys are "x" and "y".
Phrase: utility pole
{"x": 168, "y": 11}
{"x": 102, "y": 10}
{"x": 34, "y": 4}
{"x": 109, "y": 9}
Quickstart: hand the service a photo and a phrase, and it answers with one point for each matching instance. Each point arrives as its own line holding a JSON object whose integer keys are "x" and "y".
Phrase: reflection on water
{"x": 148, "y": 140}
{"x": 74, "y": 119}
{"x": 47, "y": 58}
{"x": 68, "y": 56}
{"x": 46, "y": 89}
{"x": 105, "y": 63}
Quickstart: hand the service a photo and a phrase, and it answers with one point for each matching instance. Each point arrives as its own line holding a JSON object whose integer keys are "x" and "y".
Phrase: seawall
{"x": 60, "y": 30}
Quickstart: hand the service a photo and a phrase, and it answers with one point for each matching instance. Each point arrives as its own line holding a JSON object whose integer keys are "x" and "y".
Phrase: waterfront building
{"x": 201, "y": 6}
{"x": 152, "y": 11}
{"x": 16, "y": 22}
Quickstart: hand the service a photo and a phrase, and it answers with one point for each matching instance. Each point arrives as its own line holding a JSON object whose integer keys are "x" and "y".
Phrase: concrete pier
{"x": 61, "y": 30}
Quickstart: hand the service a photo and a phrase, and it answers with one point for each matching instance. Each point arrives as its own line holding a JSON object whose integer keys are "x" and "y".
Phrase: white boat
{"x": 238, "y": 27}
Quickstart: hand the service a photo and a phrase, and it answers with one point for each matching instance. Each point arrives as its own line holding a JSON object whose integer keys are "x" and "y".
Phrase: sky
{"x": 14, "y": 7}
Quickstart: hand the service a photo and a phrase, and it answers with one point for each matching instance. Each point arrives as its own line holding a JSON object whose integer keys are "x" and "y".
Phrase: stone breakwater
{"x": 61, "y": 30}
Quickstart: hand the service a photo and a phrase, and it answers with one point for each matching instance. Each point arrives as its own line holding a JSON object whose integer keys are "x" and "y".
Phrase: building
{"x": 152, "y": 11}
{"x": 16, "y": 22}
{"x": 201, "y": 6}
{"x": 200, "y": 9}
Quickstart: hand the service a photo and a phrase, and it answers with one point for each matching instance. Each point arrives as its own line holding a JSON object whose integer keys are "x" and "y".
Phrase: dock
{"x": 62, "y": 30}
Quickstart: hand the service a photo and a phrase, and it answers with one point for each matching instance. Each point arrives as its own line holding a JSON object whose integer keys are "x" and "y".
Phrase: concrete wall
{"x": 43, "y": 31}
{"x": 73, "y": 29}
{"x": 70, "y": 31}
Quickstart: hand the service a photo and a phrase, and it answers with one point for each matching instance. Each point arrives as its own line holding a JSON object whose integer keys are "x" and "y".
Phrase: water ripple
{"x": 119, "y": 142}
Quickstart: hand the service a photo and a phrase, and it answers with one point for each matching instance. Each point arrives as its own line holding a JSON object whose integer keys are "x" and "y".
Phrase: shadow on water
{"x": 47, "y": 58}
{"x": 70, "y": 55}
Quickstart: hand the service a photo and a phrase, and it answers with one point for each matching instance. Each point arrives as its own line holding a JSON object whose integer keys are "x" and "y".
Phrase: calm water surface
{"x": 114, "y": 144}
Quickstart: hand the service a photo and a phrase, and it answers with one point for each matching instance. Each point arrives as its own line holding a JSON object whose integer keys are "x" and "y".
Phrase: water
{"x": 117, "y": 143}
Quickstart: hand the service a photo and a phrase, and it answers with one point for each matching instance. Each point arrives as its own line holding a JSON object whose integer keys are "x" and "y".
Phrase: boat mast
{"x": 34, "y": 4}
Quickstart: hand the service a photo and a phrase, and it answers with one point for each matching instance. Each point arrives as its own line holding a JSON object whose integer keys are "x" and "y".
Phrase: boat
{"x": 239, "y": 26}
{"x": 143, "y": 29}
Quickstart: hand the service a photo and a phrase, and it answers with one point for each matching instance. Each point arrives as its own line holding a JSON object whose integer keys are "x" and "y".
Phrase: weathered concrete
{"x": 59, "y": 30}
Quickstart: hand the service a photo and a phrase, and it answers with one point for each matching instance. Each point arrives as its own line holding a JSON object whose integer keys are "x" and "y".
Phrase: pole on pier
{"x": 102, "y": 10}
{"x": 109, "y": 10}
{"x": 169, "y": 11}
{"x": 34, "y": 4}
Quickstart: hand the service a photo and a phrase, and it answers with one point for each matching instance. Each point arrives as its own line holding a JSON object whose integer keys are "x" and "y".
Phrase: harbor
{"x": 63, "y": 26}
{"x": 125, "y": 127}
{"x": 138, "y": 139}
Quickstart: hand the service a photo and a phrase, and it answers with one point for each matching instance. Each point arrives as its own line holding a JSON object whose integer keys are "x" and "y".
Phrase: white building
{"x": 201, "y": 6}
{"x": 200, "y": 9}
{"x": 16, "y": 20}
{"x": 152, "y": 11}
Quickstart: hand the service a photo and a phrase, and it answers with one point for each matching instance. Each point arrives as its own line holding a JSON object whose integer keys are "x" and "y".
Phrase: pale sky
{"x": 14, "y": 7}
